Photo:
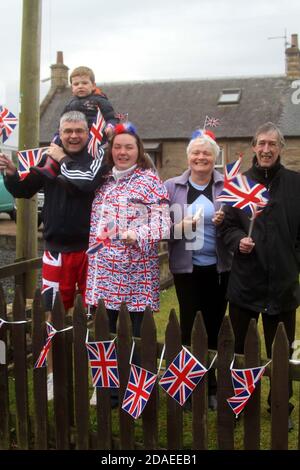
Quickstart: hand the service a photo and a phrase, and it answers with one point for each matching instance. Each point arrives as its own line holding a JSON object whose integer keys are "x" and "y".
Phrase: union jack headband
{"x": 202, "y": 133}
{"x": 125, "y": 128}
{"x": 207, "y": 136}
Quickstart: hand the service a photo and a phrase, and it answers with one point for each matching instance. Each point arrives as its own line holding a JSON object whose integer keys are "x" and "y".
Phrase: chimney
{"x": 59, "y": 72}
{"x": 292, "y": 59}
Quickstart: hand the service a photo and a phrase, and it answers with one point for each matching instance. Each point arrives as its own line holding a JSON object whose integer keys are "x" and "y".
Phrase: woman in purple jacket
{"x": 198, "y": 259}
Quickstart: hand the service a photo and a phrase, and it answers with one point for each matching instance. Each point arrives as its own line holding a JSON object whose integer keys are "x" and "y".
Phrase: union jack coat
{"x": 118, "y": 272}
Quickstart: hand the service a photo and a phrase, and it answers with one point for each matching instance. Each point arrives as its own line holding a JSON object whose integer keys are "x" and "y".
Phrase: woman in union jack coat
{"x": 129, "y": 218}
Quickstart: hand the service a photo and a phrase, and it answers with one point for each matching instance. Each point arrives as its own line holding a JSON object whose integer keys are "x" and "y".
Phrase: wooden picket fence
{"x": 25, "y": 422}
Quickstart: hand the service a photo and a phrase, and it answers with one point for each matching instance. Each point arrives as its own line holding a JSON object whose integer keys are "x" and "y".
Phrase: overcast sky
{"x": 154, "y": 39}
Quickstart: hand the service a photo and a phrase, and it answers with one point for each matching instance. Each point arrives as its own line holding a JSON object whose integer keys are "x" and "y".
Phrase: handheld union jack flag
{"x": 138, "y": 391}
{"x": 96, "y": 136}
{"x": 233, "y": 169}
{"x": 104, "y": 365}
{"x": 238, "y": 402}
{"x": 8, "y": 122}
{"x": 29, "y": 158}
{"x": 182, "y": 376}
{"x": 41, "y": 362}
{"x": 122, "y": 116}
{"x": 211, "y": 122}
{"x": 245, "y": 194}
{"x": 103, "y": 239}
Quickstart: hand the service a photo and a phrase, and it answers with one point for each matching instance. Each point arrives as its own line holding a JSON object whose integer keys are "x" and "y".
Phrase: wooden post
{"x": 26, "y": 240}
{"x": 104, "y": 440}
{"x": 225, "y": 418}
{"x": 60, "y": 377}
{"x": 4, "y": 396}
{"x": 280, "y": 390}
{"x": 199, "y": 397}
{"x": 20, "y": 369}
{"x": 149, "y": 362}
{"x": 252, "y": 409}
{"x": 124, "y": 332}
{"x": 81, "y": 381}
{"x": 174, "y": 410}
{"x": 39, "y": 375}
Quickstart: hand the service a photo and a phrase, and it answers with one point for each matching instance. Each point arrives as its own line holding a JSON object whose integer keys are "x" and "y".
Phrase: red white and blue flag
{"x": 52, "y": 262}
{"x": 245, "y": 194}
{"x": 246, "y": 379}
{"x": 233, "y": 169}
{"x": 41, "y": 362}
{"x": 138, "y": 391}
{"x": 29, "y": 158}
{"x": 122, "y": 117}
{"x": 211, "y": 122}
{"x": 238, "y": 402}
{"x": 103, "y": 239}
{"x": 8, "y": 122}
{"x": 104, "y": 365}
{"x": 96, "y": 137}
{"x": 244, "y": 382}
{"x": 182, "y": 376}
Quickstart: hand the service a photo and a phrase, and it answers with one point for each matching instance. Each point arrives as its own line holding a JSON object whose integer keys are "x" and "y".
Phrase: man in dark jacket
{"x": 66, "y": 212}
{"x": 265, "y": 272}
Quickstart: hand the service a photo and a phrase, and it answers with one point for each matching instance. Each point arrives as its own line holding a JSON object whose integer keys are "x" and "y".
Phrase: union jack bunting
{"x": 233, "y": 169}
{"x": 244, "y": 382}
{"x": 245, "y": 194}
{"x": 41, "y": 362}
{"x": 138, "y": 391}
{"x": 103, "y": 239}
{"x": 29, "y": 158}
{"x": 182, "y": 376}
{"x": 104, "y": 365}
{"x": 96, "y": 136}
{"x": 211, "y": 122}
{"x": 246, "y": 379}
{"x": 8, "y": 122}
{"x": 238, "y": 402}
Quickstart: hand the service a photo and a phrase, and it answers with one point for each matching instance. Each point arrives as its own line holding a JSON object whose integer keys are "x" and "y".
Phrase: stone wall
{"x": 174, "y": 155}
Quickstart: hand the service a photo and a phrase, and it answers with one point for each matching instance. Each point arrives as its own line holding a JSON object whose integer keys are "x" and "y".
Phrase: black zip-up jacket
{"x": 67, "y": 209}
{"x": 267, "y": 279}
{"x": 88, "y": 105}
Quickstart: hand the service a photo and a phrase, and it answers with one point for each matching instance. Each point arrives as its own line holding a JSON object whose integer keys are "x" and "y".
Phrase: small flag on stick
{"x": 8, "y": 122}
{"x": 96, "y": 136}
{"x": 211, "y": 122}
{"x": 28, "y": 159}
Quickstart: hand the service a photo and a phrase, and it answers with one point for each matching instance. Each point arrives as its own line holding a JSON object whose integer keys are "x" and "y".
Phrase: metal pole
{"x": 26, "y": 240}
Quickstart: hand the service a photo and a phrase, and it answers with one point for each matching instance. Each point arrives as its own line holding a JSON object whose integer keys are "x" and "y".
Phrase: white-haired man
{"x": 265, "y": 272}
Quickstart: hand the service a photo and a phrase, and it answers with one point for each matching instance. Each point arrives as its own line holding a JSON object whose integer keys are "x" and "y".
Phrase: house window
{"x": 230, "y": 96}
{"x": 220, "y": 159}
{"x": 153, "y": 149}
